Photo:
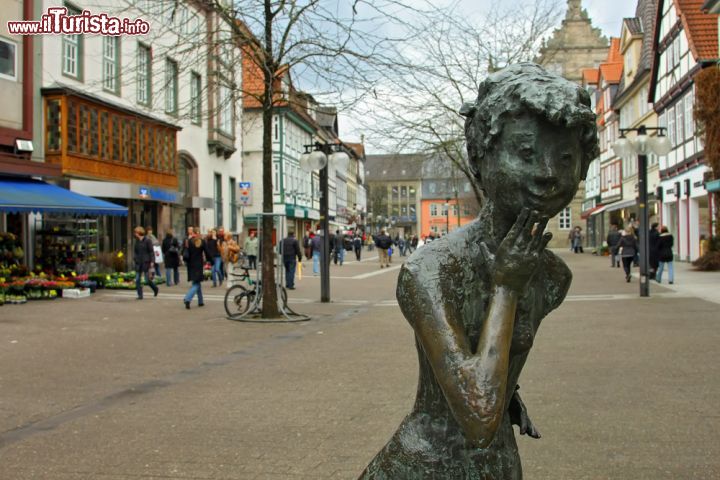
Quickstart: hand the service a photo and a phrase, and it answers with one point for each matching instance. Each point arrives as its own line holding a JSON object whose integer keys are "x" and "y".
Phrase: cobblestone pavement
{"x": 108, "y": 387}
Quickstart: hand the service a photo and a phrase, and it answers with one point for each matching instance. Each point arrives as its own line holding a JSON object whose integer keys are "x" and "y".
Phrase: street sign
{"x": 244, "y": 194}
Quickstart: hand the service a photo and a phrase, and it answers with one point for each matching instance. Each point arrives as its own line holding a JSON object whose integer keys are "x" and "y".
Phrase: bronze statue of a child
{"x": 476, "y": 297}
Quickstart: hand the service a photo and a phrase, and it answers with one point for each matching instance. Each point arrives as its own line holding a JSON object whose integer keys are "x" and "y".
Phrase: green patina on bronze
{"x": 476, "y": 297}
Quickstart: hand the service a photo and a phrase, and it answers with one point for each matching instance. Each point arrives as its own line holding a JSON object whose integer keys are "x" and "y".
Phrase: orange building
{"x": 437, "y": 215}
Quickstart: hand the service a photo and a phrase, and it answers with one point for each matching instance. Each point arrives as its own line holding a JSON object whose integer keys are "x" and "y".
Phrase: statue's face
{"x": 533, "y": 164}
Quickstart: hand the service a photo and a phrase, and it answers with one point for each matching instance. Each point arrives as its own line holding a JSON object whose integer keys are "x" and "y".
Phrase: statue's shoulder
{"x": 557, "y": 278}
{"x": 461, "y": 246}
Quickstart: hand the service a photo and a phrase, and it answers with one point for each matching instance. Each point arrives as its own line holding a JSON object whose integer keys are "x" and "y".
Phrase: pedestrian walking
{"x": 231, "y": 255}
{"x": 613, "y": 238}
{"x": 357, "y": 246}
{"x": 171, "y": 254}
{"x": 339, "y": 247}
{"x": 221, "y": 241}
{"x": 316, "y": 251}
{"x": 576, "y": 237}
{"x": 665, "y": 255}
{"x": 653, "y": 237}
{"x": 155, "y": 243}
{"x": 251, "y": 249}
{"x": 197, "y": 256}
{"x": 627, "y": 249}
{"x": 214, "y": 257}
{"x": 401, "y": 246}
{"x": 143, "y": 256}
{"x": 383, "y": 242}
{"x": 290, "y": 252}
{"x": 307, "y": 244}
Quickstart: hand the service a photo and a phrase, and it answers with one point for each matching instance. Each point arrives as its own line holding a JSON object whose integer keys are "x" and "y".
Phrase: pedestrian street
{"x": 108, "y": 387}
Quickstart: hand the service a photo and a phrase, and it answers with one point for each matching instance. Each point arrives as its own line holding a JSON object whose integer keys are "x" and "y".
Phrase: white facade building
{"x": 131, "y": 92}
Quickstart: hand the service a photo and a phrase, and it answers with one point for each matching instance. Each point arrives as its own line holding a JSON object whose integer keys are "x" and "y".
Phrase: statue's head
{"x": 531, "y": 136}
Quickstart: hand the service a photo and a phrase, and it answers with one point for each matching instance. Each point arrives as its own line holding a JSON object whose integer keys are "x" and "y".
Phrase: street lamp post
{"x": 642, "y": 145}
{"x": 318, "y": 156}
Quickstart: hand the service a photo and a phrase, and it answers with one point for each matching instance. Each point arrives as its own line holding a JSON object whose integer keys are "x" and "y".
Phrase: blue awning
{"x": 21, "y": 195}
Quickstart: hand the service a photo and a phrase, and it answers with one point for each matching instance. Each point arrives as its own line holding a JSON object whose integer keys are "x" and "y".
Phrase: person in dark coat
{"x": 290, "y": 252}
{"x": 212, "y": 245}
{"x": 197, "y": 256}
{"x": 628, "y": 248}
{"x": 665, "y": 254}
{"x": 653, "y": 237}
{"x": 143, "y": 256}
{"x": 171, "y": 254}
{"x": 613, "y": 238}
{"x": 357, "y": 246}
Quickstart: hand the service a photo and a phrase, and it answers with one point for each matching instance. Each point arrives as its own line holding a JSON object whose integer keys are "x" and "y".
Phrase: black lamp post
{"x": 642, "y": 145}
{"x": 317, "y": 156}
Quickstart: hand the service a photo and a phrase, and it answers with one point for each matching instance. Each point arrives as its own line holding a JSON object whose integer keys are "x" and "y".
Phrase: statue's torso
{"x": 429, "y": 443}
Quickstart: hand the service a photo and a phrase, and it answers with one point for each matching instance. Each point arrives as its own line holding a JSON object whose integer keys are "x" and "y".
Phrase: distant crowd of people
{"x": 217, "y": 247}
{"x": 623, "y": 247}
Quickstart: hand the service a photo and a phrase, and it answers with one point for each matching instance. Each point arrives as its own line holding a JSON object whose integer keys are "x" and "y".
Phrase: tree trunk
{"x": 267, "y": 253}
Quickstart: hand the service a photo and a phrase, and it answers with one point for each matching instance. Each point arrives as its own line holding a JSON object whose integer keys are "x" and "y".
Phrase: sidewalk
{"x": 110, "y": 388}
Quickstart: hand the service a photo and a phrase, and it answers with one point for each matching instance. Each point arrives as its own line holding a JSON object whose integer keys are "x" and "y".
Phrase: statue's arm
{"x": 474, "y": 385}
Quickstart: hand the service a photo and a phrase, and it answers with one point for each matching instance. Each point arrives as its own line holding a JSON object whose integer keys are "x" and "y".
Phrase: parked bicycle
{"x": 240, "y": 300}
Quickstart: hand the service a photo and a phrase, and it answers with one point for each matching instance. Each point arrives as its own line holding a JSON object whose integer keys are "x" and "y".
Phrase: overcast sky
{"x": 605, "y": 14}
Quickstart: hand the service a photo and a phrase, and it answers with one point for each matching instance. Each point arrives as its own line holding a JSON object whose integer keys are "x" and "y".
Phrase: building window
{"x": 195, "y": 98}
{"x": 218, "y": 200}
{"x": 233, "y": 205}
{"x": 565, "y": 219}
{"x": 53, "y": 125}
{"x": 111, "y": 67}
{"x": 670, "y": 116}
{"x": 225, "y": 114}
{"x": 72, "y": 51}
{"x": 689, "y": 124}
{"x": 8, "y": 60}
{"x": 433, "y": 210}
{"x": 144, "y": 74}
{"x": 171, "y": 87}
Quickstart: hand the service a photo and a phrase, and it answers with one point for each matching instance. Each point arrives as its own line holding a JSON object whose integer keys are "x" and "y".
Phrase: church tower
{"x": 574, "y": 46}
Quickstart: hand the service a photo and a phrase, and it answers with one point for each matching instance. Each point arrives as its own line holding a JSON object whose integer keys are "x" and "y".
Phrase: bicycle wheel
{"x": 237, "y": 301}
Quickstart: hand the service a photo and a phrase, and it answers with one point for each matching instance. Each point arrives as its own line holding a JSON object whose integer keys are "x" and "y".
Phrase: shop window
{"x": 72, "y": 110}
{"x": 151, "y": 148}
{"x": 93, "y": 140}
{"x": 53, "y": 125}
{"x": 105, "y": 141}
{"x": 84, "y": 129}
{"x": 116, "y": 137}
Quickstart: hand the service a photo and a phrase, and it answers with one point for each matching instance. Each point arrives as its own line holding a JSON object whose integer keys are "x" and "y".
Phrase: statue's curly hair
{"x": 527, "y": 87}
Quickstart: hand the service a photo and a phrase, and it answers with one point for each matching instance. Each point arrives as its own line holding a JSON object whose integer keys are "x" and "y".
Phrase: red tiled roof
{"x": 701, "y": 28}
{"x": 590, "y": 75}
{"x": 611, "y": 72}
{"x": 614, "y": 54}
{"x": 359, "y": 148}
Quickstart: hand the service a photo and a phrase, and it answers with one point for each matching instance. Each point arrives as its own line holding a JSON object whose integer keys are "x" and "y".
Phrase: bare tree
{"x": 338, "y": 50}
{"x": 417, "y": 108}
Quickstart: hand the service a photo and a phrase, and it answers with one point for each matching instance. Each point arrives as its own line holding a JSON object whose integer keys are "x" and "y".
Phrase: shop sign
{"x": 149, "y": 193}
{"x": 245, "y": 194}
